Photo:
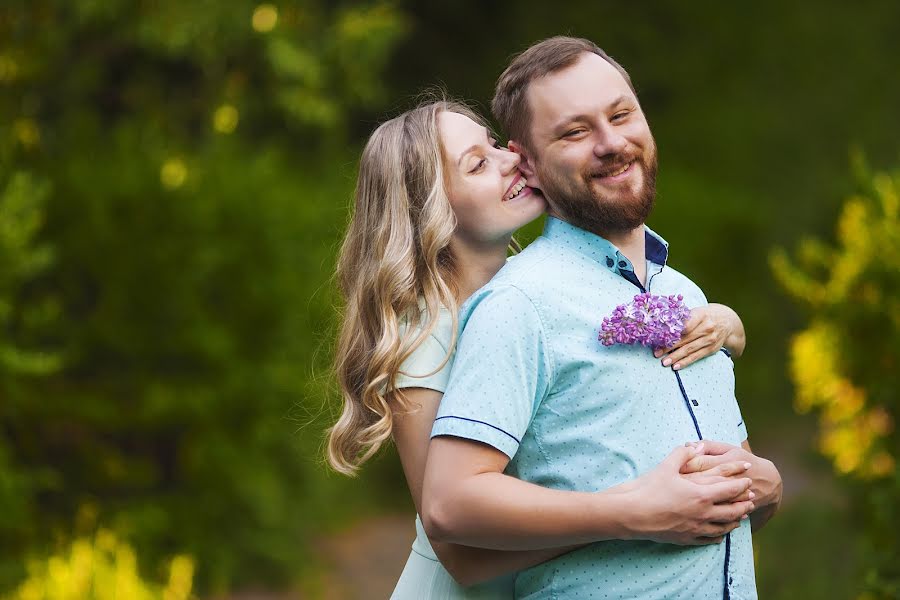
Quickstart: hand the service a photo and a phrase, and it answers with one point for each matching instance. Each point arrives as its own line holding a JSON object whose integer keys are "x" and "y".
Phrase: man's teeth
{"x": 516, "y": 189}
{"x": 620, "y": 171}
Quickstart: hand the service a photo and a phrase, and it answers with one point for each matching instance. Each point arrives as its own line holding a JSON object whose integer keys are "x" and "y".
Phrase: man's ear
{"x": 526, "y": 166}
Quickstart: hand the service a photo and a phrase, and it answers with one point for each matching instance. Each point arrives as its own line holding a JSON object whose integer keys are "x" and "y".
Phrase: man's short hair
{"x": 510, "y": 103}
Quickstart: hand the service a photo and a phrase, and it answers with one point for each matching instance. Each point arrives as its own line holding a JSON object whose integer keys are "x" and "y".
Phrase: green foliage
{"x": 25, "y": 320}
{"x": 22, "y": 260}
{"x": 844, "y": 363}
{"x": 194, "y": 152}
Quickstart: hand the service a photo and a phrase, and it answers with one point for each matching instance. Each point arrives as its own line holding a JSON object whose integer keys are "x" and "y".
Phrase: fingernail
{"x": 747, "y": 465}
{"x": 676, "y": 367}
{"x": 700, "y": 447}
{"x": 745, "y": 517}
{"x": 751, "y": 495}
{"x": 667, "y": 362}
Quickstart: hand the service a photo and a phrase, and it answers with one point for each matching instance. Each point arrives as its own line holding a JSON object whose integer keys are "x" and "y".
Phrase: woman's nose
{"x": 511, "y": 161}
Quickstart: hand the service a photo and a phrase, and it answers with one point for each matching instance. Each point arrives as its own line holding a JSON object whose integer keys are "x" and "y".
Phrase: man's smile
{"x": 615, "y": 174}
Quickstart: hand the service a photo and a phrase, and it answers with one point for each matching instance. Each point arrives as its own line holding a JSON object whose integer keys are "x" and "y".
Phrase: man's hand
{"x": 708, "y": 330}
{"x": 689, "y": 510}
{"x": 767, "y": 485}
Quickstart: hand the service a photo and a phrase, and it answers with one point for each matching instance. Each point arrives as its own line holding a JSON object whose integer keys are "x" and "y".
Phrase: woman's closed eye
{"x": 478, "y": 166}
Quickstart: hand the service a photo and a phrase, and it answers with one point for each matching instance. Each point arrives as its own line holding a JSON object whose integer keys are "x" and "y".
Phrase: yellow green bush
{"x": 844, "y": 363}
{"x": 102, "y": 568}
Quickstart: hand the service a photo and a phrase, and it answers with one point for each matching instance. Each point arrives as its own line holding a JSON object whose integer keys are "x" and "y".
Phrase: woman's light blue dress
{"x": 423, "y": 577}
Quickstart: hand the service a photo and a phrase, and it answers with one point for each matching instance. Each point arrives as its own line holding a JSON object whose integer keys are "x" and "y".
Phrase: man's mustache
{"x": 611, "y": 165}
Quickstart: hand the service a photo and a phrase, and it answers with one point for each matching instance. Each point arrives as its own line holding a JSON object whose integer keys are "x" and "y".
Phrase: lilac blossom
{"x": 649, "y": 320}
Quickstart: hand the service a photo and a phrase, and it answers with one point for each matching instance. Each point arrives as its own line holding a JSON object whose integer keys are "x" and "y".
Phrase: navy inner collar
{"x": 600, "y": 249}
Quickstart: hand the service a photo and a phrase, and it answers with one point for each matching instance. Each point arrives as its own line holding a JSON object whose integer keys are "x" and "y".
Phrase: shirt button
{"x": 623, "y": 264}
{"x": 609, "y": 262}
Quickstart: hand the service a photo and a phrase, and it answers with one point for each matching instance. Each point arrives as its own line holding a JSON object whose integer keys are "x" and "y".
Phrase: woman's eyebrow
{"x": 472, "y": 148}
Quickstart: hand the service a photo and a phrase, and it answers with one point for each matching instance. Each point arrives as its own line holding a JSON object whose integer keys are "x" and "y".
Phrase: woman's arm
{"x": 709, "y": 329}
{"x": 467, "y": 565}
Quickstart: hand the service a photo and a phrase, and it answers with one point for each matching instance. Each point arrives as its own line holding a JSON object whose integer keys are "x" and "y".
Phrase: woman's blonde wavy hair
{"x": 396, "y": 255}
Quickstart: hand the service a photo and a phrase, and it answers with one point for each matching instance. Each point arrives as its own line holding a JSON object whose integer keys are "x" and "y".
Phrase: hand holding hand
{"x": 689, "y": 510}
{"x": 708, "y": 330}
{"x": 716, "y": 457}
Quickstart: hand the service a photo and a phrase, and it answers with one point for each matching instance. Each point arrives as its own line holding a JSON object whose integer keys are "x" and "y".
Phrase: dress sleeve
{"x": 421, "y": 368}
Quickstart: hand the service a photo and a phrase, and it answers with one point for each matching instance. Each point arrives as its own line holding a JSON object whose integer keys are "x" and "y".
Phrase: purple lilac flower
{"x": 649, "y": 320}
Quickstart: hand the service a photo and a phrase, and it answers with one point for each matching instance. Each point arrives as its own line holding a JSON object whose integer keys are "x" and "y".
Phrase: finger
{"x": 730, "y": 469}
{"x": 717, "y": 473}
{"x": 727, "y": 490}
{"x": 681, "y": 455}
{"x": 701, "y": 462}
{"x": 687, "y": 336}
{"x": 716, "y": 447}
{"x": 748, "y": 495}
{"x": 727, "y": 513}
{"x": 701, "y": 346}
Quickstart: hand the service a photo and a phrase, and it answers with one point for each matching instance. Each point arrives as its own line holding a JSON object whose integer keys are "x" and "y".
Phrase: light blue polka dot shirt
{"x": 531, "y": 379}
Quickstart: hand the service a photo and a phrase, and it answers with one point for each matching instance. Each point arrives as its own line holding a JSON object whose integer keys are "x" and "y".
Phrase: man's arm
{"x": 767, "y": 485}
{"x": 468, "y": 500}
{"x": 467, "y": 565}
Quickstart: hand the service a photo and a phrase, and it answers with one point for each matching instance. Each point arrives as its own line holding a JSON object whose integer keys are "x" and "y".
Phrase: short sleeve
{"x": 500, "y": 374}
{"x": 741, "y": 425}
{"x": 421, "y": 368}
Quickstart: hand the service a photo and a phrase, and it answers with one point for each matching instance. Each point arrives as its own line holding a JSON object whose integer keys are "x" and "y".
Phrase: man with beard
{"x": 536, "y": 404}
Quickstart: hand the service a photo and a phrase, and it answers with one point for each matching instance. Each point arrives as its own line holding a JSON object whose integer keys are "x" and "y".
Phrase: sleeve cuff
{"x": 477, "y": 431}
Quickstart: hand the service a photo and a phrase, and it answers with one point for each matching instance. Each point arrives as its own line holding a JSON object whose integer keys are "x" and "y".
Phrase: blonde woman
{"x": 437, "y": 202}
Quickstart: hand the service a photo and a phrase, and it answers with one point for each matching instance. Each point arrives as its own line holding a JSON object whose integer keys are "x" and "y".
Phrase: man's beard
{"x": 581, "y": 204}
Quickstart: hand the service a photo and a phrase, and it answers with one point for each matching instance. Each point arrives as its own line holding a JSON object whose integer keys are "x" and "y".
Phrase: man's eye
{"x": 619, "y": 116}
{"x": 479, "y": 166}
{"x": 573, "y": 133}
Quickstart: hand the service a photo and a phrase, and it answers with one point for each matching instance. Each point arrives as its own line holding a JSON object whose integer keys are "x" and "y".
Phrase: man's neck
{"x": 633, "y": 245}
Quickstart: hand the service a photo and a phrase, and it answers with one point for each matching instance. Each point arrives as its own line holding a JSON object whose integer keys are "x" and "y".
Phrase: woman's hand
{"x": 709, "y": 329}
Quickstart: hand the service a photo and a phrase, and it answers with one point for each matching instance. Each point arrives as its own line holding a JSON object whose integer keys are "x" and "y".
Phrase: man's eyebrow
{"x": 584, "y": 117}
{"x": 472, "y": 148}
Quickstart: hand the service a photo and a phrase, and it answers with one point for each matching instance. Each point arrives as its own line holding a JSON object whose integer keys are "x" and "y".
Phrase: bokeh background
{"x": 175, "y": 177}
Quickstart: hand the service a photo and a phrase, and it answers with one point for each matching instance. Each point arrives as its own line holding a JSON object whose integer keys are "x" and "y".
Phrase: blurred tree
{"x": 844, "y": 364}
{"x": 25, "y": 320}
{"x": 191, "y": 148}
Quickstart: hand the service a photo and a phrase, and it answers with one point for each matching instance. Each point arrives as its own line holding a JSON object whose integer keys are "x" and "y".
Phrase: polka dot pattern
{"x": 531, "y": 379}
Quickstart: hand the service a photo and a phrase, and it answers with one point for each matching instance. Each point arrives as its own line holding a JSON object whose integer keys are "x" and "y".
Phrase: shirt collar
{"x": 602, "y": 250}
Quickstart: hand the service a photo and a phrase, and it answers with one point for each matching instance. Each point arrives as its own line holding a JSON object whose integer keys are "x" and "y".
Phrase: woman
{"x": 437, "y": 202}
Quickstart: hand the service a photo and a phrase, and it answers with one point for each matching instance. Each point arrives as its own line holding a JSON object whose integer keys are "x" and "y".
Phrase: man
{"x": 534, "y": 396}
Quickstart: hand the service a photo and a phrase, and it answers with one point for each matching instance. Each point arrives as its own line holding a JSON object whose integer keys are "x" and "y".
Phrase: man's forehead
{"x": 589, "y": 83}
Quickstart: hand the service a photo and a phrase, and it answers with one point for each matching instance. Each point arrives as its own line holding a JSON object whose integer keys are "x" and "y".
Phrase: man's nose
{"x": 609, "y": 141}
